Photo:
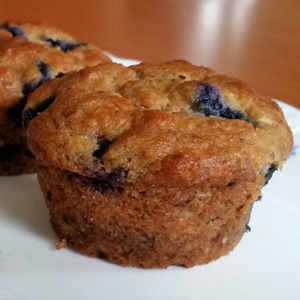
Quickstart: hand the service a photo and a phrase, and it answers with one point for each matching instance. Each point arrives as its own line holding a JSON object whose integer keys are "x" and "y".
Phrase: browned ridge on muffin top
{"x": 153, "y": 165}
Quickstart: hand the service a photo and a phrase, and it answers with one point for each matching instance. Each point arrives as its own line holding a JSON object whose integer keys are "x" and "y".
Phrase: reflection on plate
{"x": 265, "y": 264}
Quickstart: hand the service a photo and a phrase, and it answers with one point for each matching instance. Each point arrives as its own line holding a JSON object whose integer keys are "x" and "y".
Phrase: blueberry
{"x": 103, "y": 145}
{"x": 31, "y": 113}
{"x": 270, "y": 173}
{"x": 104, "y": 182}
{"x": 44, "y": 69}
{"x": 64, "y": 45}
{"x": 29, "y": 87}
{"x": 46, "y": 75}
{"x": 209, "y": 101}
{"x": 117, "y": 176}
{"x": 15, "y": 31}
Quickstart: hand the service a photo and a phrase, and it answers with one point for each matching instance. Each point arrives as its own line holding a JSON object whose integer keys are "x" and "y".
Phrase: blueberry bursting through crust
{"x": 15, "y": 31}
{"x": 64, "y": 45}
{"x": 32, "y": 86}
{"x": 15, "y": 112}
{"x": 103, "y": 145}
{"x": 46, "y": 75}
{"x": 31, "y": 113}
{"x": 270, "y": 173}
{"x": 209, "y": 101}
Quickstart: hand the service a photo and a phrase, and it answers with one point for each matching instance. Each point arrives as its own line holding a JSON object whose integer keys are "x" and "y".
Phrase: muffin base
{"x": 135, "y": 230}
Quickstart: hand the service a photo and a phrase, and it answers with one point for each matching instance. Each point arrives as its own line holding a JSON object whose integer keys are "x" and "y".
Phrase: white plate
{"x": 265, "y": 264}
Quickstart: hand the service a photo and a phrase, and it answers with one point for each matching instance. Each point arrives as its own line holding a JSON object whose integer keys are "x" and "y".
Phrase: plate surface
{"x": 264, "y": 265}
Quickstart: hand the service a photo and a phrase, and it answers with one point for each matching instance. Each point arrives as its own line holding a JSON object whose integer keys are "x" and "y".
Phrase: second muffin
{"x": 30, "y": 54}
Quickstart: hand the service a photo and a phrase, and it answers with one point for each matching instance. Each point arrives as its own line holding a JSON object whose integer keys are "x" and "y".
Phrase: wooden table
{"x": 257, "y": 41}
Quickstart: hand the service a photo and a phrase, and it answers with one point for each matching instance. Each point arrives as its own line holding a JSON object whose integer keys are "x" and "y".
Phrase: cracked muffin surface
{"x": 31, "y": 54}
{"x": 153, "y": 165}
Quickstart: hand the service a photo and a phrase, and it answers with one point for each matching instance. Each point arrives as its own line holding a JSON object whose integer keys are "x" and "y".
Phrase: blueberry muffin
{"x": 31, "y": 54}
{"x": 153, "y": 165}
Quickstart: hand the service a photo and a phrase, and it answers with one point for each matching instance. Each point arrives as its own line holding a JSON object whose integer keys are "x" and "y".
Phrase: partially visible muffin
{"x": 153, "y": 165}
{"x": 30, "y": 54}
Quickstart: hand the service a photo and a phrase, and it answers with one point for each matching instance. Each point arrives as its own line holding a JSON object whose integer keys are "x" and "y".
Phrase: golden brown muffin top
{"x": 165, "y": 124}
{"x": 31, "y": 53}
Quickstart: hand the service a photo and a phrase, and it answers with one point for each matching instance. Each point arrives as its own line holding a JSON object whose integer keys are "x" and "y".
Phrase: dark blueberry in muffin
{"x": 105, "y": 182}
{"x": 270, "y": 173}
{"x": 46, "y": 75}
{"x": 31, "y": 113}
{"x": 117, "y": 176}
{"x": 103, "y": 145}
{"x": 64, "y": 45}
{"x": 15, "y": 31}
{"x": 44, "y": 69}
{"x": 210, "y": 102}
{"x": 29, "y": 88}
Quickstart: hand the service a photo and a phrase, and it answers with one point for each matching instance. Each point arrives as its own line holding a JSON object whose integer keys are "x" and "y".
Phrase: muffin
{"x": 31, "y": 54}
{"x": 155, "y": 164}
